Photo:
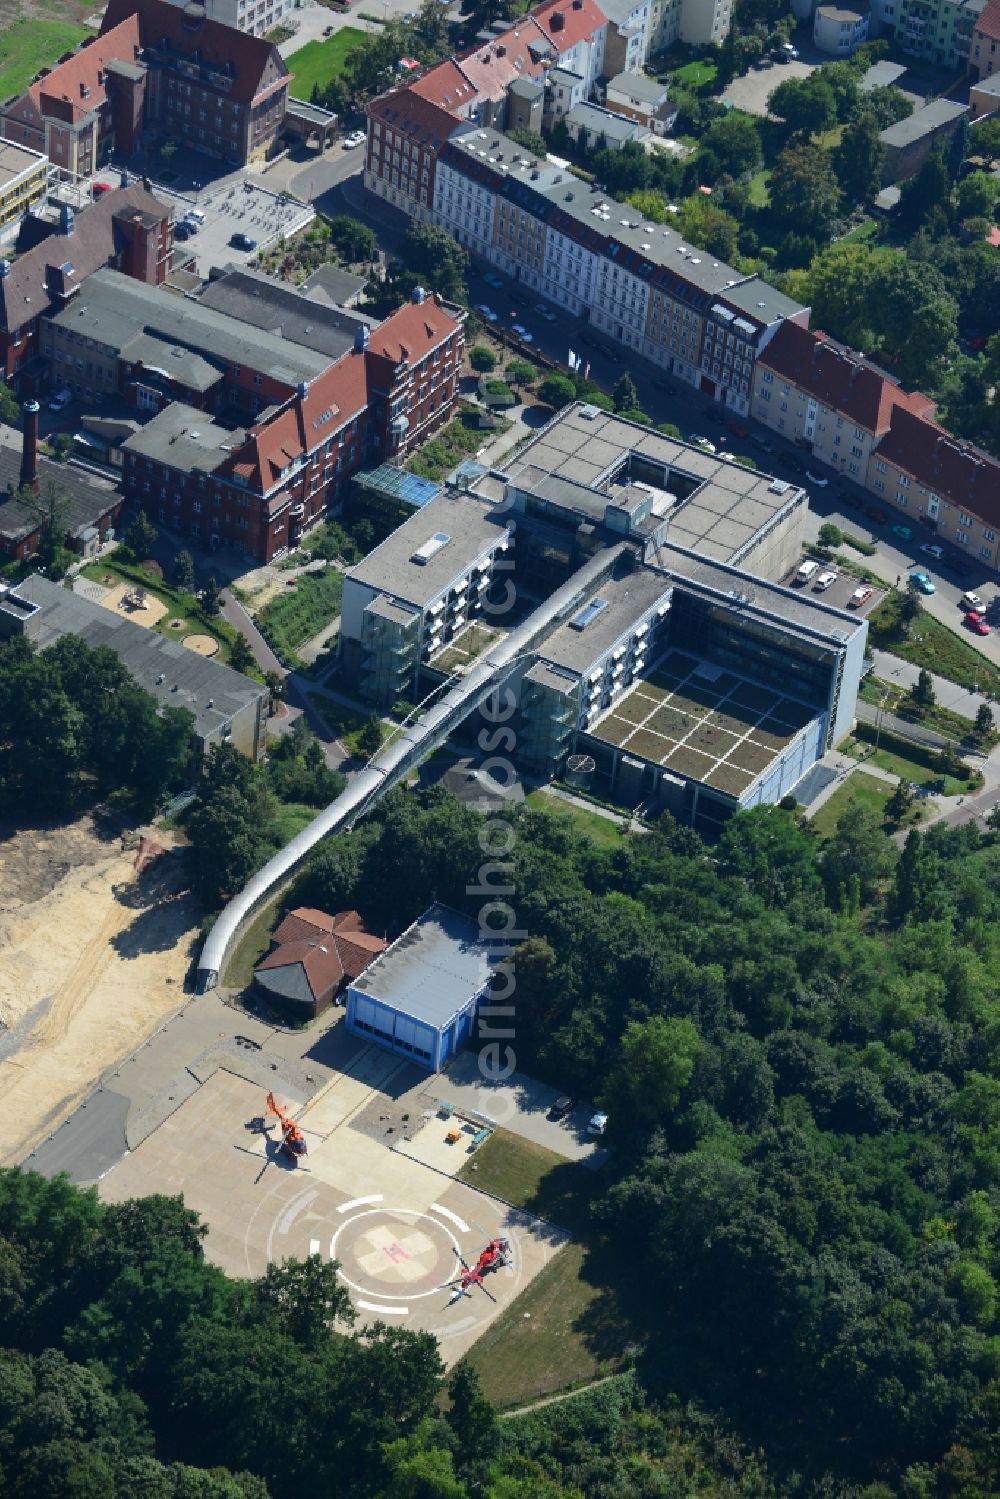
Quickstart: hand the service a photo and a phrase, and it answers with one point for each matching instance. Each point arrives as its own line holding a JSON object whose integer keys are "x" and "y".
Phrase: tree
{"x": 276, "y": 687}
{"x": 911, "y": 607}
{"x": 927, "y": 193}
{"x": 804, "y": 190}
{"x": 806, "y": 105}
{"x": 241, "y": 657}
{"x": 140, "y": 537}
{"x": 859, "y": 159}
{"x": 211, "y": 597}
{"x": 889, "y": 105}
{"x": 922, "y": 691}
{"x": 736, "y": 144}
{"x": 830, "y": 535}
{"x": 625, "y": 395}
{"x": 656, "y": 1060}
{"x": 482, "y": 359}
{"x": 431, "y": 256}
{"x": 557, "y": 391}
{"x": 977, "y": 195}
{"x": 10, "y": 411}
{"x": 899, "y": 802}
{"x": 984, "y": 721}
{"x": 529, "y": 140}
{"x": 49, "y": 507}
{"x": 519, "y": 372}
{"x": 352, "y": 240}
{"x": 370, "y": 736}
{"x": 183, "y": 572}
{"x": 307, "y": 1298}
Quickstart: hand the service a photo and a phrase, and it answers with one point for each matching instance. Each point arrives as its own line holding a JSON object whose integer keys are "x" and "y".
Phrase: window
{"x": 987, "y": 535}
{"x": 986, "y": 551}
{"x": 962, "y": 537}
{"x": 965, "y": 520}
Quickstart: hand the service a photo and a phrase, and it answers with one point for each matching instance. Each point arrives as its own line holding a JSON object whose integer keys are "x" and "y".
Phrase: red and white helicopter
{"x": 495, "y": 1256}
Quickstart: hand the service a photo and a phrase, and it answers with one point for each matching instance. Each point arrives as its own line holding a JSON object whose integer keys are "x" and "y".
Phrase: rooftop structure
{"x": 285, "y": 312}
{"x": 609, "y": 617}
{"x": 332, "y": 284}
{"x": 423, "y": 556}
{"x": 314, "y": 956}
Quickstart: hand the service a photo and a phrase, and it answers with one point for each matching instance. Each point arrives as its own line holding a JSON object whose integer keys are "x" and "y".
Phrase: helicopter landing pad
{"x": 397, "y": 1227}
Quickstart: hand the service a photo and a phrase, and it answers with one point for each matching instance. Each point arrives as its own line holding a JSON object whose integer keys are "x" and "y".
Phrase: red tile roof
{"x": 420, "y": 120}
{"x": 329, "y": 949}
{"x": 837, "y": 378}
{"x": 445, "y": 85}
{"x": 61, "y": 91}
{"x": 494, "y": 65}
{"x": 412, "y": 331}
{"x": 988, "y": 23}
{"x": 950, "y": 468}
{"x": 306, "y": 921}
{"x": 566, "y": 22}
{"x": 253, "y": 63}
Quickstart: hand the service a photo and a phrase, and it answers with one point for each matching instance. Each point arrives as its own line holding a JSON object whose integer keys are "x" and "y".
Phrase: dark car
{"x": 875, "y": 514}
{"x": 738, "y": 429}
{"x": 957, "y": 565}
{"x": 561, "y": 1107}
{"x": 182, "y": 231}
{"x": 762, "y": 443}
{"x": 243, "y": 241}
{"x": 796, "y": 465}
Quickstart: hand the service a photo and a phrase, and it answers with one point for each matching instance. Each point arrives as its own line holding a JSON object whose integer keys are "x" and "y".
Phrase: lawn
{"x": 910, "y": 769}
{"x": 857, "y": 790}
{"x": 345, "y": 722}
{"x": 28, "y": 45}
{"x": 867, "y": 230}
{"x": 306, "y": 607}
{"x": 929, "y": 643}
{"x": 459, "y": 439}
{"x": 601, "y": 830}
{"x": 318, "y": 63}
{"x": 180, "y": 605}
{"x": 696, "y": 75}
{"x": 760, "y": 196}
{"x": 897, "y": 700}
{"x": 251, "y": 947}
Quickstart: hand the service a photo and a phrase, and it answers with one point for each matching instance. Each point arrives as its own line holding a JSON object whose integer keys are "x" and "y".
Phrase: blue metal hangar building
{"x": 420, "y": 997}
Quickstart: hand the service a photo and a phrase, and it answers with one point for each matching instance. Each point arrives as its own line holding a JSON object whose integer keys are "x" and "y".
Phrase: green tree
{"x": 183, "y": 571}
{"x": 275, "y": 686}
{"x": 352, "y": 240}
{"x": 520, "y": 373}
{"x": 804, "y": 190}
{"x": 241, "y": 656}
{"x": 977, "y": 195}
{"x": 736, "y": 144}
{"x": 857, "y": 850}
{"x": 211, "y": 597}
{"x": 922, "y": 691}
{"x": 899, "y": 802}
{"x": 624, "y": 395}
{"x": 529, "y": 140}
{"x": 807, "y": 105}
{"x": 889, "y": 105}
{"x": 830, "y": 535}
{"x": 927, "y": 193}
{"x": 370, "y": 736}
{"x": 656, "y": 1061}
{"x": 432, "y": 257}
{"x": 557, "y": 391}
{"x": 984, "y": 724}
{"x": 859, "y": 159}
{"x": 482, "y": 359}
{"x": 10, "y": 411}
{"x": 140, "y": 537}
{"x": 307, "y": 1298}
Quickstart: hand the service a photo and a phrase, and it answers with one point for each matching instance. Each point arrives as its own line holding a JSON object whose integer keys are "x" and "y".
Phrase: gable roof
{"x": 412, "y": 331}
{"x": 37, "y": 280}
{"x": 988, "y": 23}
{"x": 950, "y": 468}
{"x": 253, "y": 64}
{"x": 494, "y": 65}
{"x": 838, "y": 378}
{"x": 86, "y": 500}
{"x": 314, "y": 953}
{"x": 445, "y": 85}
{"x": 74, "y": 88}
{"x": 566, "y": 22}
{"x": 419, "y": 119}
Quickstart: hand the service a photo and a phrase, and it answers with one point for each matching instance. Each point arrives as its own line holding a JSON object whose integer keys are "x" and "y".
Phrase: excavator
{"x": 293, "y": 1141}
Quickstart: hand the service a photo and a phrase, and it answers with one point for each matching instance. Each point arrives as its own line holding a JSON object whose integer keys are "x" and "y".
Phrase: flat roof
{"x": 186, "y": 438}
{"x": 212, "y": 692}
{"x": 625, "y": 600}
{"x": 881, "y": 75}
{"x": 614, "y": 126}
{"x": 15, "y": 161}
{"x": 114, "y": 309}
{"x": 704, "y": 722}
{"x": 640, "y": 86}
{"x": 432, "y": 971}
{"x": 472, "y": 526}
{"x": 725, "y": 510}
{"x": 285, "y": 312}
{"x": 932, "y": 117}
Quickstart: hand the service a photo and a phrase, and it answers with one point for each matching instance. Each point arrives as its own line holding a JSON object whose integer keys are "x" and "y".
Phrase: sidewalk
{"x": 949, "y": 695}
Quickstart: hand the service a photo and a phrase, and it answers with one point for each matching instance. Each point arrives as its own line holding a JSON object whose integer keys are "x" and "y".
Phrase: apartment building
{"x": 255, "y": 16}
{"x": 941, "y": 31}
{"x": 699, "y": 23}
{"x": 627, "y": 44}
{"x": 984, "y": 57}
{"x": 154, "y": 66}
{"x": 937, "y": 478}
{"x": 258, "y": 487}
{"x": 24, "y": 182}
{"x": 406, "y": 134}
{"x": 127, "y": 228}
{"x": 838, "y": 30}
{"x": 909, "y": 142}
{"x": 812, "y": 390}
{"x": 641, "y": 284}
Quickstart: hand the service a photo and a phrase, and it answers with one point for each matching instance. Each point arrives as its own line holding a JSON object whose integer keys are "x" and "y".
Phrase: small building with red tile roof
{"x": 813, "y": 390}
{"x": 984, "y": 46}
{"x": 314, "y": 957}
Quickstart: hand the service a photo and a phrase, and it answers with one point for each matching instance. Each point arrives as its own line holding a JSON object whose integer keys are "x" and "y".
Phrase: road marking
{"x": 394, "y": 1311}
{"x": 436, "y": 1207}
{"x": 358, "y": 1202}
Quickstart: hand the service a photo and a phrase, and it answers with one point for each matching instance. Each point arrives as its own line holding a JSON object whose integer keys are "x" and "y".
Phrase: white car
{"x": 824, "y": 581}
{"x": 486, "y": 312}
{"x": 60, "y": 400}
{"x": 933, "y": 550}
{"x": 356, "y": 138}
{"x": 598, "y": 1123}
{"x": 972, "y": 600}
{"x": 819, "y": 482}
{"x": 523, "y": 333}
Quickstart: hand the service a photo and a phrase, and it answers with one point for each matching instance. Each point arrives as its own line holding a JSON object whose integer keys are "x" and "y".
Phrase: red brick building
{"x": 260, "y": 488}
{"x": 405, "y": 135}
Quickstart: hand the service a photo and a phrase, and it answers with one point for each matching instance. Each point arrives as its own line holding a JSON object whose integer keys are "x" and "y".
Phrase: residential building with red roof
{"x": 939, "y": 479}
{"x": 813, "y": 390}
{"x": 984, "y": 49}
{"x": 314, "y": 957}
{"x": 258, "y": 488}
{"x": 405, "y": 135}
{"x": 153, "y": 66}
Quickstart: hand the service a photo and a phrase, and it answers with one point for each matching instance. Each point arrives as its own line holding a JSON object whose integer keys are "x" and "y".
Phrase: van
{"x": 806, "y": 571}
{"x": 195, "y": 216}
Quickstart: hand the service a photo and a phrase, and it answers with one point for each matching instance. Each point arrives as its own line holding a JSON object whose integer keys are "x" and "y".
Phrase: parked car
{"x": 808, "y": 569}
{"x": 523, "y": 333}
{"x": 545, "y": 312}
{"x": 825, "y": 581}
{"x": 598, "y": 1123}
{"x": 356, "y": 138}
{"x": 972, "y": 601}
{"x": 792, "y": 461}
{"x": 242, "y": 241}
{"x": 98, "y": 189}
{"x": 762, "y": 443}
{"x": 922, "y": 581}
{"x": 976, "y": 623}
{"x": 816, "y": 479}
{"x": 60, "y": 400}
{"x": 738, "y": 429}
{"x": 931, "y": 549}
{"x": 903, "y": 532}
{"x": 701, "y": 442}
{"x": 875, "y": 514}
{"x": 561, "y": 1107}
{"x": 859, "y": 596}
{"x": 182, "y": 231}
{"x": 492, "y": 279}
{"x": 486, "y": 311}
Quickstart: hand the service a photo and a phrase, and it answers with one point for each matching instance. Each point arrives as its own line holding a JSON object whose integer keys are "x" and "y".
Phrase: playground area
{"x": 379, "y": 1197}
{"x": 137, "y": 604}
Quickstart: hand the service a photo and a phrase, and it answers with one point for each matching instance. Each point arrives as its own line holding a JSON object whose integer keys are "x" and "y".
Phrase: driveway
{"x": 752, "y": 92}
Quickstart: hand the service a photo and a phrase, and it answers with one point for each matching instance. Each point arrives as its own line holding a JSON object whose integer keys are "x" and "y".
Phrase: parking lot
{"x": 752, "y": 92}
{"x": 838, "y": 594}
{"x": 235, "y": 206}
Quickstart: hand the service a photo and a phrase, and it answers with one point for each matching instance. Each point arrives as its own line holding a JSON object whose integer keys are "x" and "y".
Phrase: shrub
{"x": 482, "y": 359}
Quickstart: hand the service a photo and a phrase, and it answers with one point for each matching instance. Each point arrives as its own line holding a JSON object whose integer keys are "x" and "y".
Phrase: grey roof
{"x": 473, "y": 526}
{"x": 988, "y": 85}
{"x": 527, "y": 88}
{"x": 882, "y": 75}
{"x": 553, "y": 194}
{"x": 627, "y": 599}
{"x": 598, "y": 121}
{"x": 186, "y": 438}
{"x": 569, "y": 76}
{"x": 122, "y": 69}
{"x": 189, "y": 680}
{"x": 283, "y": 312}
{"x": 289, "y": 981}
{"x": 160, "y": 356}
{"x": 432, "y": 971}
{"x": 338, "y": 285}
{"x": 639, "y": 86}
{"x": 932, "y": 117}
{"x": 112, "y": 309}
{"x": 87, "y": 499}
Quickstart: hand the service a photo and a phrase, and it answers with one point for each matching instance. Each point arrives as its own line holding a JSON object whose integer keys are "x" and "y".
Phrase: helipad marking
{"x": 314, "y": 1246}
{"x": 359, "y": 1202}
{"x": 291, "y": 1213}
{"x": 436, "y": 1207}
{"x": 394, "y": 1311}
{"x": 361, "y": 1290}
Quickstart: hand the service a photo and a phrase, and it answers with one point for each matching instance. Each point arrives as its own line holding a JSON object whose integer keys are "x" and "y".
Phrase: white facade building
{"x": 255, "y": 16}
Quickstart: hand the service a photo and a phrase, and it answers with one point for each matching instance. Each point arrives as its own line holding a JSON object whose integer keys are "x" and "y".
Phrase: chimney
{"x": 360, "y": 338}
{"x": 29, "y": 447}
{"x": 66, "y": 219}
{"x": 417, "y": 295}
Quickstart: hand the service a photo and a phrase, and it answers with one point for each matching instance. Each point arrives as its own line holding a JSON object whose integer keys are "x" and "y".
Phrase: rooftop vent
{"x": 588, "y": 613}
{"x": 778, "y": 486}
{"x": 430, "y": 548}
